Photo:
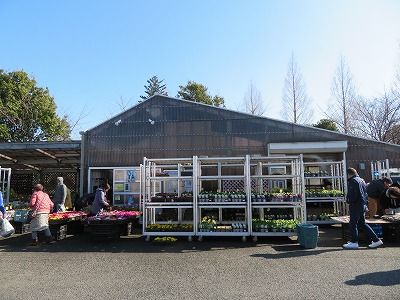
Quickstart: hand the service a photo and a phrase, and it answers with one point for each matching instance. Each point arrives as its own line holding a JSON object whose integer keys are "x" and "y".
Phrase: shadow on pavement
{"x": 132, "y": 244}
{"x": 387, "y": 278}
{"x": 290, "y": 251}
{"x": 330, "y": 238}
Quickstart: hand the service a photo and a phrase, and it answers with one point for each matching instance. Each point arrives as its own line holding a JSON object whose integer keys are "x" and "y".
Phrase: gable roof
{"x": 239, "y": 115}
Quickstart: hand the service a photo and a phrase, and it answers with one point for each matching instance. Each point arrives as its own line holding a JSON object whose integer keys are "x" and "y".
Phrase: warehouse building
{"x": 165, "y": 127}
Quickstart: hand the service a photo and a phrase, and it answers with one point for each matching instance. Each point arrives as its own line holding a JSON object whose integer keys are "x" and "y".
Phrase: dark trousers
{"x": 357, "y": 218}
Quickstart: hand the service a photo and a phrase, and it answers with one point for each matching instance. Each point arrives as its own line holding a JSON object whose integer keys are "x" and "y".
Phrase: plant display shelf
{"x": 277, "y": 204}
{"x": 228, "y": 172}
{"x": 169, "y": 205}
{"x": 291, "y": 174}
{"x": 232, "y": 176}
{"x": 326, "y": 222}
{"x": 159, "y": 175}
{"x": 325, "y": 199}
{"x": 336, "y": 175}
{"x": 222, "y": 204}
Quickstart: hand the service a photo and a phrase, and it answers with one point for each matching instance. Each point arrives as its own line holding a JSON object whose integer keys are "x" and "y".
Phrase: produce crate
{"x": 21, "y": 228}
{"x": 125, "y": 229}
{"x": 20, "y": 215}
{"x": 75, "y": 227}
{"x": 59, "y": 232}
{"x": 391, "y": 232}
{"x": 104, "y": 231}
{"x": 382, "y": 231}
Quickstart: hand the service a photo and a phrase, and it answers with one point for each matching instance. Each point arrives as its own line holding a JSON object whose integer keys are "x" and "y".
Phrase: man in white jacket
{"x": 60, "y": 195}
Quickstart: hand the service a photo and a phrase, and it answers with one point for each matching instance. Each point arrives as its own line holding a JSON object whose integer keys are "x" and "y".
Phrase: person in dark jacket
{"x": 376, "y": 189}
{"x": 393, "y": 195}
{"x": 100, "y": 201}
{"x": 357, "y": 198}
{"x": 2, "y": 209}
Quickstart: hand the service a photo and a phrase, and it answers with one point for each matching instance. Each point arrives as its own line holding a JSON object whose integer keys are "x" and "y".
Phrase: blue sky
{"x": 90, "y": 54}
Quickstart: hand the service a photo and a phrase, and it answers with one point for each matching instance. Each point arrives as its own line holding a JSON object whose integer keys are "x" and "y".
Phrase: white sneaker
{"x": 375, "y": 244}
{"x": 350, "y": 245}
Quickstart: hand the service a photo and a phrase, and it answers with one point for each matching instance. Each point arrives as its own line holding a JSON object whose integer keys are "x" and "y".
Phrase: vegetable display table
{"x": 390, "y": 229}
{"x": 72, "y": 220}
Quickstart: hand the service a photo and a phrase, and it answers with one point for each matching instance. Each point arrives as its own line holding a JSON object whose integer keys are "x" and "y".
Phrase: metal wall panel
{"x": 164, "y": 127}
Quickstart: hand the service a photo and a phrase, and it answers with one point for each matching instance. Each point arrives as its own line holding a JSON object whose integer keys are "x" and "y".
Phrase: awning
{"x": 40, "y": 156}
{"x": 308, "y": 147}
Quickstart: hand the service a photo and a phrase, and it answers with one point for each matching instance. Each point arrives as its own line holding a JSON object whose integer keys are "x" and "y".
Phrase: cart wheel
{"x": 200, "y": 239}
{"x": 147, "y": 239}
{"x": 255, "y": 239}
{"x": 244, "y": 239}
{"x": 189, "y": 238}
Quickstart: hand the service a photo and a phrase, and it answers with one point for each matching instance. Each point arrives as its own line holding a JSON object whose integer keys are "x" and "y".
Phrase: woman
{"x": 41, "y": 206}
{"x": 100, "y": 200}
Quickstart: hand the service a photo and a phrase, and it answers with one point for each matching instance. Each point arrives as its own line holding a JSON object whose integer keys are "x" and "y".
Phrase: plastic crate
{"x": 104, "y": 231}
{"x": 307, "y": 235}
{"x": 125, "y": 229}
{"x": 75, "y": 227}
{"x": 391, "y": 232}
{"x": 59, "y": 232}
{"x": 21, "y": 228}
{"x": 20, "y": 215}
{"x": 377, "y": 228}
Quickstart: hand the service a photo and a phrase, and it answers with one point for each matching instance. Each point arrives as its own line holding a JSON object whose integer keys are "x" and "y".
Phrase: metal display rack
{"x": 223, "y": 193}
{"x": 5, "y": 179}
{"x": 229, "y": 176}
{"x": 276, "y": 173}
{"x": 329, "y": 179}
{"x": 168, "y": 177}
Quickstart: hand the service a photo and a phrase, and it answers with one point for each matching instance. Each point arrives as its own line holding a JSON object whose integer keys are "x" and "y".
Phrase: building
{"x": 164, "y": 127}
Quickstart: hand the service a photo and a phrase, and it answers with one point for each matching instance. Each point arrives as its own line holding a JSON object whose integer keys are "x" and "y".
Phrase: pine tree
{"x": 154, "y": 86}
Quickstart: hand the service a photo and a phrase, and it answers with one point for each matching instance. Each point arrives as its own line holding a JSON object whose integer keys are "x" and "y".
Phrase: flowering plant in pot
{"x": 208, "y": 224}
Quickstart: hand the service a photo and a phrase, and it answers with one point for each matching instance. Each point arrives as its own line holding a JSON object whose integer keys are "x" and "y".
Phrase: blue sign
{"x": 131, "y": 175}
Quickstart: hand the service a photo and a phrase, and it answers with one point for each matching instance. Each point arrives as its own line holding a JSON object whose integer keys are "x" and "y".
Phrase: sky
{"x": 95, "y": 55}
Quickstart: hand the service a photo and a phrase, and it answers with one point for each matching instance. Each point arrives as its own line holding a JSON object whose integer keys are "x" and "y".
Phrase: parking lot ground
{"x": 216, "y": 268}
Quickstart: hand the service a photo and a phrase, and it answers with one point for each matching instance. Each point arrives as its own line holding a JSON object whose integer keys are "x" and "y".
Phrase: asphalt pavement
{"x": 216, "y": 268}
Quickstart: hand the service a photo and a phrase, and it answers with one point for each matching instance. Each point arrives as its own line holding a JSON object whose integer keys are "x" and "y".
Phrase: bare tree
{"x": 123, "y": 104}
{"x": 396, "y": 85}
{"x": 296, "y": 104}
{"x": 253, "y": 101}
{"x": 393, "y": 135}
{"x": 341, "y": 110}
{"x": 379, "y": 118}
{"x": 76, "y": 122}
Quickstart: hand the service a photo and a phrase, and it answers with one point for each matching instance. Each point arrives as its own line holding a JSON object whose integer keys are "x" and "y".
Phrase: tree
{"x": 393, "y": 134}
{"x": 154, "y": 86}
{"x": 379, "y": 118}
{"x": 326, "y": 124}
{"x": 197, "y": 92}
{"x": 28, "y": 112}
{"x": 253, "y": 101}
{"x": 342, "y": 108}
{"x": 296, "y": 104}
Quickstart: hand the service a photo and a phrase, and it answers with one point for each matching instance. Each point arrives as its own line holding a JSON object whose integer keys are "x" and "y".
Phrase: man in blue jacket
{"x": 357, "y": 198}
{"x": 2, "y": 210}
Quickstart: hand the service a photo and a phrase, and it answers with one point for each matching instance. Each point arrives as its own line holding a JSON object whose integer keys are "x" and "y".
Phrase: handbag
{"x": 6, "y": 229}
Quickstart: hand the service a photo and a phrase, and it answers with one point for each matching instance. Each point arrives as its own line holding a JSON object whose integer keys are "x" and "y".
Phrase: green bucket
{"x": 307, "y": 235}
